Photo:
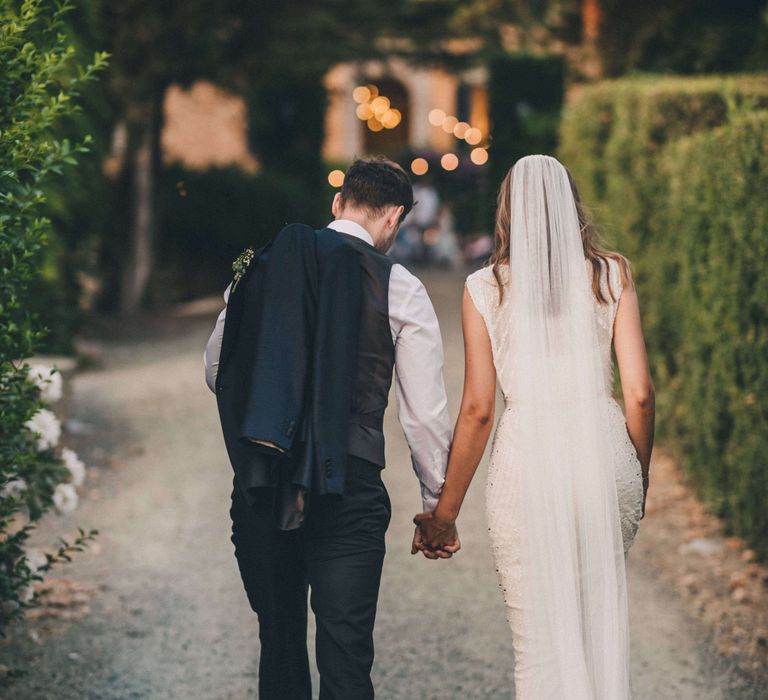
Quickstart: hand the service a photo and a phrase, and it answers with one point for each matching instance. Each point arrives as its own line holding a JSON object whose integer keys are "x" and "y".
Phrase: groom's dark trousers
{"x": 338, "y": 555}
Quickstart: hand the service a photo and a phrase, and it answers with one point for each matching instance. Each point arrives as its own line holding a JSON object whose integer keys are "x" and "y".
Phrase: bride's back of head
{"x": 540, "y": 180}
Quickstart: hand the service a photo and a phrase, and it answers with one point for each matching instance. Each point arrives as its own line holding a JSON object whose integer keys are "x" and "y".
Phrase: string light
{"x": 449, "y": 124}
{"x": 364, "y": 111}
{"x": 437, "y": 117}
{"x": 375, "y": 109}
{"x": 336, "y": 178}
{"x": 460, "y": 130}
{"x": 473, "y": 136}
{"x": 391, "y": 118}
{"x": 479, "y": 156}
{"x": 361, "y": 94}
{"x": 449, "y": 161}
{"x": 380, "y": 105}
{"x": 419, "y": 166}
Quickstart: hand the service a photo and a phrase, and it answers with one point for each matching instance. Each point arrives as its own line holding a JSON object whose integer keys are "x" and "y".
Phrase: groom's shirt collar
{"x": 352, "y": 228}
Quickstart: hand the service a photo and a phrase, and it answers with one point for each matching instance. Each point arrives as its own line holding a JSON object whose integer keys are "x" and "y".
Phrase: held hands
{"x": 435, "y": 537}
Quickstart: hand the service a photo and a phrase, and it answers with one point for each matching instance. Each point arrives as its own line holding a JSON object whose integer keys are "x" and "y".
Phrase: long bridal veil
{"x": 572, "y": 553}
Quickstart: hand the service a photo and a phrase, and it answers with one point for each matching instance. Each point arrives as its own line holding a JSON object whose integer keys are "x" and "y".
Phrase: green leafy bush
{"x": 38, "y": 85}
{"x": 672, "y": 169}
{"x": 718, "y": 214}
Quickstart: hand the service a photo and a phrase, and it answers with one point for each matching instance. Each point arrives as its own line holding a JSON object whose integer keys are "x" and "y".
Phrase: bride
{"x": 568, "y": 475}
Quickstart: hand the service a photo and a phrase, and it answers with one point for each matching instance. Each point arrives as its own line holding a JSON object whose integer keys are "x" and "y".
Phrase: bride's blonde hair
{"x": 590, "y": 238}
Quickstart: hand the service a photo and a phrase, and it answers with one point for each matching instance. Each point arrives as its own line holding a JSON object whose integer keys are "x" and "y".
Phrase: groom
{"x": 338, "y": 548}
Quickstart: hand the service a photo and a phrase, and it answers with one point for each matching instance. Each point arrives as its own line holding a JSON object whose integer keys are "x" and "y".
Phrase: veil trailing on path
{"x": 572, "y": 553}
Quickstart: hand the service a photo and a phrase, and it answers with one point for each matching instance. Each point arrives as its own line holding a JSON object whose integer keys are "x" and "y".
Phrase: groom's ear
{"x": 394, "y": 218}
{"x": 336, "y": 205}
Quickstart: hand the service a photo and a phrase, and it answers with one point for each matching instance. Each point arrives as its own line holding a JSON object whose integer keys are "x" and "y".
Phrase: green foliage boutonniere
{"x": 241, "y": 265}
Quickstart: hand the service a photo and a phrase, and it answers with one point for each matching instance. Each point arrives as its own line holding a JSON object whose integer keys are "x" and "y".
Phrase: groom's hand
{"x": 418, "y": 546}
{"x": 435, "y": 537}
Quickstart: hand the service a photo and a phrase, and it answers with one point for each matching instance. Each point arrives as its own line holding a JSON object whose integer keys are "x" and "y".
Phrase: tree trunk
{"x": 143, "y": 163}
{"x": 139, "y": 264}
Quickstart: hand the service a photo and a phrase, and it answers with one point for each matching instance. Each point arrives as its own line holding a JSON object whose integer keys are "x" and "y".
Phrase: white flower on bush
{"x": 65, "y": 498}
{"x": 35, "y": 559}
{"x": 26, "y": 594}
{"x": 48, "y": 428}
{"x": 14, "y": 487}
{"x": 50, "y": 383}
{"x": 75, "y": 466}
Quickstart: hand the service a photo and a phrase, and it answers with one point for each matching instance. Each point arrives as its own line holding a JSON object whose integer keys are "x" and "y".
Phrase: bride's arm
{"x": 636, "y": 383}
{"x": 473, "y": 425}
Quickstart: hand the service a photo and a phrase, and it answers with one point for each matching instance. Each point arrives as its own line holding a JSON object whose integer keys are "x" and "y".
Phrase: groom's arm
{"x": 213, "y": 347}
{"x": 421, "y": 401}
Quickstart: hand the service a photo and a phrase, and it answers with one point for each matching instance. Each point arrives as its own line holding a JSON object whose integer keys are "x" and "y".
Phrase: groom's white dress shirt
{"x": 422, "y": 407}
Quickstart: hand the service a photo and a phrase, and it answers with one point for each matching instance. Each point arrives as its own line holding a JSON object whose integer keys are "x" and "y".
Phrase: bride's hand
{"x": 438, "y": 535}
{"x": 418, "y": 546}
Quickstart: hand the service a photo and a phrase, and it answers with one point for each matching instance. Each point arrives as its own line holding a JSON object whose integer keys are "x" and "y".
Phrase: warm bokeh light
{"x": 391, "y": 118}
{"x": 374, "y": 124}
{"x": 436, "y": 117}
{"x": 449, "y": 161}
{"x": 336, "y": 178}
{"x": 479, "y": 156}
{"x": 449, "y": 123}
{"x": 473, "y": 136}
{"x": 361, "y": 94}
{"x": 364, "y": 111}
{"x": 419, "y": 166}
{"x": 373, "y": 90}
{"x": 460, "y": 130}
{"x": 380, "y": 105}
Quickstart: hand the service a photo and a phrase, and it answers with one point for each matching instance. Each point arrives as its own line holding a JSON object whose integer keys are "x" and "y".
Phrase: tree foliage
{"x": 686, "y": 36}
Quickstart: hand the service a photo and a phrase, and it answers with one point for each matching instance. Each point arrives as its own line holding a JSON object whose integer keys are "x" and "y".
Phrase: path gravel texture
{"x": 170, "y": 618}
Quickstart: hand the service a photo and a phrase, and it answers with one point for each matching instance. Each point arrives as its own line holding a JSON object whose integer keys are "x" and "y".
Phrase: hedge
{"x": 718, "y": 183}
{"x": 652, "y": 157}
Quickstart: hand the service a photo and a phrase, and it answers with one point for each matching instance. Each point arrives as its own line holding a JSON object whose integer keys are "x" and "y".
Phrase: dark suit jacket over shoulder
{"x": 286, "y": 369}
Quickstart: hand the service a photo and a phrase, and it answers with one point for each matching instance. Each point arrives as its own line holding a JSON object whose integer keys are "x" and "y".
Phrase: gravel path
{"x": 170, "y": 618}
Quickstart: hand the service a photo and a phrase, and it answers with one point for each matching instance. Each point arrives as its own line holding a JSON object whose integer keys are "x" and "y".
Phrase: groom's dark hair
{"x": 375, "y": 183}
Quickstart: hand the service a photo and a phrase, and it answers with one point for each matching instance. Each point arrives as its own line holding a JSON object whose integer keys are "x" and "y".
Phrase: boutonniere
{"x": 240, "y": 266}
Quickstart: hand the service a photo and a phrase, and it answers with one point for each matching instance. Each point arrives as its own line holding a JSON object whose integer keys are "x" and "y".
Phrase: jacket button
{"x": 328, "y": 467}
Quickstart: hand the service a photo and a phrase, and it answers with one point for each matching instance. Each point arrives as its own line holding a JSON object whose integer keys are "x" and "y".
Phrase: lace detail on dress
{"x": 629, "y": 477}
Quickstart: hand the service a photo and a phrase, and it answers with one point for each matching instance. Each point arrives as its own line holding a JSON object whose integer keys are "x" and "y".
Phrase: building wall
{"x": 427, "y": 89}
{"x": 206, "y": 126}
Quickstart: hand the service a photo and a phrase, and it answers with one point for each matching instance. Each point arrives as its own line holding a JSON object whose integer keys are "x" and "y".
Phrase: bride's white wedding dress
{"x": 558, "y": 565}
